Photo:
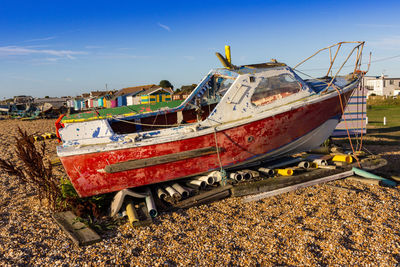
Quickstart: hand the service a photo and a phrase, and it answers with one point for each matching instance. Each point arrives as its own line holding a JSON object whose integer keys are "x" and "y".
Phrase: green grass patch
{"x": 377, "y": 113}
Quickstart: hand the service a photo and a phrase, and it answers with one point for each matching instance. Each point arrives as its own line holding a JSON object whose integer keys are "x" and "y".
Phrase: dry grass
{"x": 34, "y": 171}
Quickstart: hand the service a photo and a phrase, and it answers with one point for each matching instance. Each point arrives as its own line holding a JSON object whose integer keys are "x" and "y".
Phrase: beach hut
{"x": 95, "y": 103}
{"x": 128, "y": 95}
{"x": 114, "y": 102}
{"x": 155, "y": 95}
{"x": 353, "y": 120}
{"x": 78, "y": 103}
{"x": 100, "y": 101}
{"x": 107, "y": 103}
{"x": 121, "y": 100}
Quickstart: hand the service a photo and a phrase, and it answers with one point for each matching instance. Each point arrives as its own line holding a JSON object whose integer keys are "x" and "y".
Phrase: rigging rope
{"x": 342, "y": 108}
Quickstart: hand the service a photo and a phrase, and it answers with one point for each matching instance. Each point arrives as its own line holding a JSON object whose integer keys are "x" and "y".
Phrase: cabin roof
{"x": 153, "y": 90}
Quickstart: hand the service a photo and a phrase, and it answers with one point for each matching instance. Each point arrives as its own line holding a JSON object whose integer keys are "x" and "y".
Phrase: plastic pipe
{"x": 172, "y": 192}
{"x": 343, "y": 158}
{"x": 329, "y": 167}
{"x": 266, "y": 171}
{"x": 161, "y": 193}
{"x": 366, "y": 174}
{"x": 208, "y": 179}
{"x": 184, "y": 193}
{"x": 284, "y": 172}
{"x": 321, "y": 162}
{"x": 253, "y": 174}
{"x": 216, "y": 175}
{"x": 236, "y": 176}
{"x": 246, "y": 175}
{"x": 131, "y": 212}
{"x": 197, "y": 184}
{"x": 304, "y": 164}
{"x": 151, "y": 206}
{"x": 192, "y": 191}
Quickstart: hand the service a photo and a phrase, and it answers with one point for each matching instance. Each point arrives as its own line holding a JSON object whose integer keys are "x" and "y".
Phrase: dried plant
{"x": 35, "y": 170}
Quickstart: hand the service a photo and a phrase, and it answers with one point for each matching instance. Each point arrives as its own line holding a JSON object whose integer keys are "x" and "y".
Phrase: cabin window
{"x": 216, "y": 88}
{"x": 274, "y": 88}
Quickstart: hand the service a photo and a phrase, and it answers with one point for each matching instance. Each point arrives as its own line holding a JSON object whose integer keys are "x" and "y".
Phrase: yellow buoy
{"x": 343, "y": 158}
{"x": 284, "y": 172}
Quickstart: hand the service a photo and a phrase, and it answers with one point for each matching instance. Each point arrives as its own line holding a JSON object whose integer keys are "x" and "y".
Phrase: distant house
{"x": 184, "y": 92}
{"x": 382, "y": 85}
{"x": 155, "y": 95}
{"x": 96, "y": 94}
{"x": 127, "y": 96}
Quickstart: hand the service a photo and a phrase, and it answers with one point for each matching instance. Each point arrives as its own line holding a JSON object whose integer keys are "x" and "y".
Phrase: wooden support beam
{"x": 297, "y": 186}
{"x": 142, "y": 163}
{"x": 205, "y": 197}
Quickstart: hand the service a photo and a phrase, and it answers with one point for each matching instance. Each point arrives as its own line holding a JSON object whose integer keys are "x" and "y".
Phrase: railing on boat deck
{"x": 359, "y": 47}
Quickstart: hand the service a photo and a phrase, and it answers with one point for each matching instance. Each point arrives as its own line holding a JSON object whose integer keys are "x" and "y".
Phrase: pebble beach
{"x": 338, "y": 223}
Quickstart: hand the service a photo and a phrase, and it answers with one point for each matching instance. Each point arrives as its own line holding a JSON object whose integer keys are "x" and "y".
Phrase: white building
{"x": 382, "y": 85}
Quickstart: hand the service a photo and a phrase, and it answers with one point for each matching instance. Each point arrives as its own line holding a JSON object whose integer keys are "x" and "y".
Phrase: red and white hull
{"x": 301, "y": 128}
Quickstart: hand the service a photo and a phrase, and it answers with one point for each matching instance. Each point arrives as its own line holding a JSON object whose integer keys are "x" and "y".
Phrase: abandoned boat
{"x": 235, "y": 116}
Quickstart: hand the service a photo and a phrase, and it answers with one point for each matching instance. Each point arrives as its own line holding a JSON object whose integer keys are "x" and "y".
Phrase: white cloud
{"x": 25, "y": 51}
{"x": 93, "y": 46}
{"x": 164, "y": 27}
{"x": 52, "y": 59}
{"x": 40, "y": 39}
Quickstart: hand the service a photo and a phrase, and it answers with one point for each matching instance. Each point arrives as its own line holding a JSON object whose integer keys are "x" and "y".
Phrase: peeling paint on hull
{"x": 240, "y": 144}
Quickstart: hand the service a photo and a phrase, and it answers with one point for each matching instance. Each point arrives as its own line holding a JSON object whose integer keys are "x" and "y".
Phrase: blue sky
{"x": 69, "y": 47}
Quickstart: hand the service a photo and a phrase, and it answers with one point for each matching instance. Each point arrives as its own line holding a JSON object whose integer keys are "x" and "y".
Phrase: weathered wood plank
{"x": 297, "y": 186}
{"x": 269, "y": 184}
{"x": 205, "y": 197}
{"x": 80, "y": 234}
{"x": 141, "y": 163}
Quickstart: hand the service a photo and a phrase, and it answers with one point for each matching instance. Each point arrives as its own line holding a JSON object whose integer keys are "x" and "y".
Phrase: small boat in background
{"x": 235, "y": 116}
